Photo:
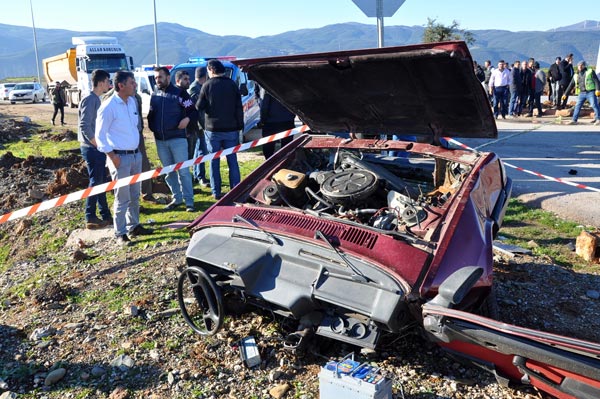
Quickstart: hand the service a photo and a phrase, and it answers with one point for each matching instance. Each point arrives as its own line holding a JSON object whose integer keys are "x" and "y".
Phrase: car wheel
{"x": 489, "y": 307}
{"x": 12, "y": 102}
{"x": 34, "y": 99}
{"x": 200, "y": 301}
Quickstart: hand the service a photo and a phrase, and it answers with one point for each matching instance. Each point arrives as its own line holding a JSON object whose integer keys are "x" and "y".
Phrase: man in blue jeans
{"x": 221, "y": 101}
{"x": 196, "y": 140}
{"x": 587, "y": 87}
{"x": 171, "y": 110}
{"x": 94, "y": 159}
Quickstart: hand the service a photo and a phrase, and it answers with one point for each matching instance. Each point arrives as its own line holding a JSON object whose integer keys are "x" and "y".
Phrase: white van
{"x": 145, "y": 87}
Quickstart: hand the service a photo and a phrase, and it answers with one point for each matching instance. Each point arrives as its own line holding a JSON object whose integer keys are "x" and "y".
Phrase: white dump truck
{"x": 74, "y": 67}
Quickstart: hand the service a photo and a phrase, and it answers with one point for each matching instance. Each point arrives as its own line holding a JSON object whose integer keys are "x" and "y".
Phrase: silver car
{"x": 5, "y": 89}
{"x": 28, "y": 91}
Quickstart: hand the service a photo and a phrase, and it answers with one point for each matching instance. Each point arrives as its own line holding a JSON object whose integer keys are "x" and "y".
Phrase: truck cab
{"x": 248, "y": 89}
{"x": 74, "y": 67}
{"x": 97, "y": 52}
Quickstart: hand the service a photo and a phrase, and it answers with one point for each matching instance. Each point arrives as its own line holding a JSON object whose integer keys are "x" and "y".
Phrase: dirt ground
{"x": 146, "y": 350}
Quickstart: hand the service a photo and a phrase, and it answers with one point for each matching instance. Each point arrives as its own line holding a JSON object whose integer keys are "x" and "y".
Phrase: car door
{"x": 249, "y": 101}
{"x": 560, "y": 366}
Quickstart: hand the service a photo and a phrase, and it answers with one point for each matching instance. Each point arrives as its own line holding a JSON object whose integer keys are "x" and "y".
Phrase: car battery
{"x": 349, "y": 379}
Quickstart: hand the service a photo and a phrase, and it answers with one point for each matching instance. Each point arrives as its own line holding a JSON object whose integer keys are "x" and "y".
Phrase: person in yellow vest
{"x": 587, "y": 87}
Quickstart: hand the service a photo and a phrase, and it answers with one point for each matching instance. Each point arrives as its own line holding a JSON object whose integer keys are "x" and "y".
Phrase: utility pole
{"x": 155, "y": 37}
{"x": 37, "y": 58}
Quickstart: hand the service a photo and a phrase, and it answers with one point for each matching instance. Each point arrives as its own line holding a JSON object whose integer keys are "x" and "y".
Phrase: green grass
{"x": 114, "y": 299}
{"x": 20, "y": 79}
{"x": 39, "y": 145}
{"x": 552, "y": 235}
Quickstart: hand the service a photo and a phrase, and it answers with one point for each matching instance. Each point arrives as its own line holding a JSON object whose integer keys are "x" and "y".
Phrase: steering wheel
{"x": 203, "y": 309}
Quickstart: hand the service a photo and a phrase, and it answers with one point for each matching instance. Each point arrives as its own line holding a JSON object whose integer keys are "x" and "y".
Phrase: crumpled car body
{"x": 359, "y": 238}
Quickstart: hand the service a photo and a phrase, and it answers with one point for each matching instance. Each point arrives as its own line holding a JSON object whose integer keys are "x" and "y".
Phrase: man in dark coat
{"x": 567, "y": 72}
{"x": 554, "y": 77}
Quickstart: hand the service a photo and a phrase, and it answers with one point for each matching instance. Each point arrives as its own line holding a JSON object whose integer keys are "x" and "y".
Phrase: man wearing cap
{"x": 221, "y": 101}
{"x": 587, "y": 87}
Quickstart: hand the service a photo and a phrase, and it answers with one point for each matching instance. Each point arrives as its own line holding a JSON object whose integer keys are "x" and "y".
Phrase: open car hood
{"x": 424, "y": 90}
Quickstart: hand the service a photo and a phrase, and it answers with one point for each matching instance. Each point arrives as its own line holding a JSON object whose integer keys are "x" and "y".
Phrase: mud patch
{"x": 22, "y": 178}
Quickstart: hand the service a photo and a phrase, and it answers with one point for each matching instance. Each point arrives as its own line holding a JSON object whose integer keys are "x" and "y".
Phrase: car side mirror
{"x": 146, "y": 91}
{"x": 456, "y": 286}
{"x": 244, "y": 89}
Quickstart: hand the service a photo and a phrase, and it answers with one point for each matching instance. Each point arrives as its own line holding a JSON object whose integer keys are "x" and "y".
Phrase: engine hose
{"x": 317, "y": 198}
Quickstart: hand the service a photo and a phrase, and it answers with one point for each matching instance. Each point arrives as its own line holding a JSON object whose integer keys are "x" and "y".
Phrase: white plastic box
{"x": 341, "y": 380}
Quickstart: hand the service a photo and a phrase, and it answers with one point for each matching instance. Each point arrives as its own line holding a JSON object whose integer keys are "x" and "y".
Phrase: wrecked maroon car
{"x": 360, "y": 238}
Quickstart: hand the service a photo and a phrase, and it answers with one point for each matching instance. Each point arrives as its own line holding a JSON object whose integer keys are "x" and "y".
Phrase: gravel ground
{"x": 53, "y": 346}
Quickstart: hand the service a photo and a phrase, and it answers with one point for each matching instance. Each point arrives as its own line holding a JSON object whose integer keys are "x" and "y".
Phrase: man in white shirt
{"x": 499, "y": 83}
{"x": 118, "y": 137}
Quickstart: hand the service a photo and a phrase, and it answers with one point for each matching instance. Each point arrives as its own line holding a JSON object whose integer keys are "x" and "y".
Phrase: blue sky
{"x": 269, "y": 17}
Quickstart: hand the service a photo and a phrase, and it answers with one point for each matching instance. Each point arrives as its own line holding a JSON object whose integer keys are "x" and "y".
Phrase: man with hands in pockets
{"x": 118, "y": 137}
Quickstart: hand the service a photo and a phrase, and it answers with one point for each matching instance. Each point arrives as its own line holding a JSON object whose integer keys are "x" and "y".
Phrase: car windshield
{"x": 24, "y": 87}
{"x": 109, "y": 62}
{"x": 9, "y": 85}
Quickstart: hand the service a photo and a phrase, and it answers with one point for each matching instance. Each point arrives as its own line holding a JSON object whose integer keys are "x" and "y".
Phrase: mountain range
{"x": 177, "y": 43}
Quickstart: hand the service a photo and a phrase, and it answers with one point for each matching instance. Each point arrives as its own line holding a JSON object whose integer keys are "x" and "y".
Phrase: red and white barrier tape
{"x": 151, "y": 174}
{"x": 556, "y": 179}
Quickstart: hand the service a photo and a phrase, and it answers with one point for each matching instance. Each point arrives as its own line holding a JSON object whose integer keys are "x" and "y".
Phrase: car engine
{"x": 383, "y": 191}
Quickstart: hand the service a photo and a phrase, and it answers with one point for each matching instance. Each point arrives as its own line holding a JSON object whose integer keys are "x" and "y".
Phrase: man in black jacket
{"x": 196, "y": 140}
{"x": 274, "y": 118}
{"x": 526, "y": 77}
{"x": 555, "y": 76}
{"x": 221, "y": 101}
{"x": 567, "y": 72}
{"x": 171, "y": 109}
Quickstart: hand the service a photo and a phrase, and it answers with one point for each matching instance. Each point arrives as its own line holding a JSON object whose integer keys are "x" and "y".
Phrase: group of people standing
{"x": 110, "y": 134}
{"x": 516, "y": 91}
{"x": 187, "y": 119}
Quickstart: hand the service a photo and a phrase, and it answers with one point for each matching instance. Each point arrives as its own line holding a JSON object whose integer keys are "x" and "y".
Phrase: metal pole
{"x": 155, "y": 37}
{"x": 380, "y": 23}
{"x": 37, "y": 59}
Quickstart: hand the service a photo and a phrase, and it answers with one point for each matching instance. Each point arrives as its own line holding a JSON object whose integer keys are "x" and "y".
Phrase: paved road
{"x": 570, "y": 153}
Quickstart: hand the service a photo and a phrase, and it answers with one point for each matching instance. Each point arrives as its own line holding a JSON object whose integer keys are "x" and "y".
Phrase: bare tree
{"x": 437, "y": 32}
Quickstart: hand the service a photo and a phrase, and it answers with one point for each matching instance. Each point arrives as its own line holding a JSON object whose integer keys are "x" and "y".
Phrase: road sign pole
{"x": 379, "y": 9}
{"x": 380, "y": 23}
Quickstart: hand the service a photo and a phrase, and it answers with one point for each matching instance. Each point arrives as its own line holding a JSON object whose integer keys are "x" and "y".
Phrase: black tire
{"x": 489, "y": 307}
{"x": 35, "y": 100}
{"x": 12, "y": 102}
{"x": 204, "y": 310}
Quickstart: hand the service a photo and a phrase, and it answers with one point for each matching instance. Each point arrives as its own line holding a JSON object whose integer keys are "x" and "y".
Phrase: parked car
{"x": 248, "y": 89}
{"x": 5, "y": 89}
{"x": 30, "y": 91}
{"x": 359, "y": 239}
